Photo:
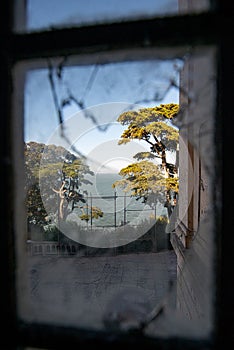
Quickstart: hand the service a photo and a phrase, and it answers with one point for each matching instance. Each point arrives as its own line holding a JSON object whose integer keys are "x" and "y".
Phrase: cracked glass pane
{"x": 118, "y": 192}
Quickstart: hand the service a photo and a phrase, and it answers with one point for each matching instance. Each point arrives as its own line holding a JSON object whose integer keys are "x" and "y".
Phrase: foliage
{"x": 91, "y": 212}
{"x": 54, "y": 177}
{"x": 172, "y": 184}
{"x": 145, "y": 179}
{"x": 151, "y": 125}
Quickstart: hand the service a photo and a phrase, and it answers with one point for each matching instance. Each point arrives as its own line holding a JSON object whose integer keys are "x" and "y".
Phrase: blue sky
{"x": 106, "y": 91}
{"x": 128, "y": 82}
{"x": 102, "y": 89}
{"x": 51, "y": 13}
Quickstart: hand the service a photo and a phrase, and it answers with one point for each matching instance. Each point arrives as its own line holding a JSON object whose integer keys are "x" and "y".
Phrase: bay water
{"x": 118, "y": 207}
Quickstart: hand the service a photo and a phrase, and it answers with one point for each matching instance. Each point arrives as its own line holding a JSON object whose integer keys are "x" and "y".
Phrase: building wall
{"x": 192, "y": 237}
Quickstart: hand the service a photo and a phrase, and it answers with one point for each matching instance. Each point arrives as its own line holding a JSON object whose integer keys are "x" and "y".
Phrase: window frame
{"x": 201, "y": 29}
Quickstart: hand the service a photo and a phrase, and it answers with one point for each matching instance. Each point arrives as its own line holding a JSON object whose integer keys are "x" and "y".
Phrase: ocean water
{"x": 118, "y": 207}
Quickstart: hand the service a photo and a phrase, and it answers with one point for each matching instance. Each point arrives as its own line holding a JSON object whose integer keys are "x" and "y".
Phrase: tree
{"x": 147, "y": 179}
{"x": 54, "y": 178}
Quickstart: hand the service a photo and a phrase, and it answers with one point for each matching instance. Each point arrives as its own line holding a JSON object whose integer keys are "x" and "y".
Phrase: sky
{"x": 104, "y": 90}
{"x": 51, "y": 13}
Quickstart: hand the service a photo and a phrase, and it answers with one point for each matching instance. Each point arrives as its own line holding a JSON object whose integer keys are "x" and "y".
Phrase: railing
{"x": 148, "y": 242}
{"x": 51, "y": 248}
{"x": 90, "y": 199}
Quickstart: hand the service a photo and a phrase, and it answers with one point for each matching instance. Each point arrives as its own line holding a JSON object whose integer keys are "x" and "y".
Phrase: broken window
{"x": 158, "y": 279}
{"x": 96, "y": 257}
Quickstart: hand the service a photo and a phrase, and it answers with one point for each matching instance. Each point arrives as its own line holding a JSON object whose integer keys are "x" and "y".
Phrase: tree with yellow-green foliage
{"x": 149, "y": 179}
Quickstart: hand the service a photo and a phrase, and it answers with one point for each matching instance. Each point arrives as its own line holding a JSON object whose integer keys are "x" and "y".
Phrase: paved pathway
{"x": 81, "y": 290}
